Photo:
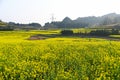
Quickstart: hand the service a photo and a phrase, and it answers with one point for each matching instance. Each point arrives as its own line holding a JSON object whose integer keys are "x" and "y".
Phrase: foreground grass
{"x": 57, "y": 58}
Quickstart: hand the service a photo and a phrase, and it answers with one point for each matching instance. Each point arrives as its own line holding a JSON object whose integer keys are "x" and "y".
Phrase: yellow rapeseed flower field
{"x": 57, "y": 58}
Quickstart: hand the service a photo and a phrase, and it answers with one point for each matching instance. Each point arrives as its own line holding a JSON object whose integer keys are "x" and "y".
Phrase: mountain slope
{"x": 90, "y": 21}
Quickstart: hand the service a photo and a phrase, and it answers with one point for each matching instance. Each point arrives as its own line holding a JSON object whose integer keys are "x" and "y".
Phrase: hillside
{"x": 90, "y": 21}
{"x": 18, "y": 26}
{"x": 111, "y": 20}
{"x": 2, "y": 23}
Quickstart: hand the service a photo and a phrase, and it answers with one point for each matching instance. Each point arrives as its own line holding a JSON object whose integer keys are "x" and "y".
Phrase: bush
{"x": 67, "y": 32}
{"x": 6, "y": 28}
{"x": 100, "y": 33}
{"x": 115, "y": 31}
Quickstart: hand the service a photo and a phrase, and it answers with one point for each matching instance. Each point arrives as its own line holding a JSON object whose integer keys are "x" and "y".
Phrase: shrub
{"x": 115, "y": 31}
{"x": 67, "y": 32}
{"x": 100, "y": 33}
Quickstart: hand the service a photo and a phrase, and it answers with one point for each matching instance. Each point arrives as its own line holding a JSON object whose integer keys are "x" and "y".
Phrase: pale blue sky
{"x": 27, "y": 11}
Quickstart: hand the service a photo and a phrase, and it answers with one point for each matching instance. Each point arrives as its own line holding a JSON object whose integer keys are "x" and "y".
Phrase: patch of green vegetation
{"x": 115, "y": 36}
{"x": 3, "y": 24}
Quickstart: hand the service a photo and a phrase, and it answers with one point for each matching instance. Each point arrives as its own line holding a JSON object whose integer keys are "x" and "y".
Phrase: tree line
{"x": 99, "y": 32}
{"x": 4, "y": 26}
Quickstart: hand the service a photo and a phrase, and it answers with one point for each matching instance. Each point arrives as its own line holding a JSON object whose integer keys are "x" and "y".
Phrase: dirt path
{"x": 37, "y": 38}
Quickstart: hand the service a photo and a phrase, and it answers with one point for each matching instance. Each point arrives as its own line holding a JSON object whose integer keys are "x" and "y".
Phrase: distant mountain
{"x": 67, "y": 20}
{"x": 111, "y": 18}
{"x": 107, "y": 19}
{"x": 111, "y": 15}
{"x": 90, "y": 21}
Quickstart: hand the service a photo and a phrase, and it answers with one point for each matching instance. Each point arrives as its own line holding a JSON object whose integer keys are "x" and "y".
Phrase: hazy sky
{"x": 27, "y": 11}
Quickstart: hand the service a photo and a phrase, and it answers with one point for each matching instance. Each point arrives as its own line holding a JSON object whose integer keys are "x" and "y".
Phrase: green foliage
{"x": 115, "y": 31}
{"x": 2, "y": 23}
{"x": 100, "y": 32}
{"x": 67, "y": 32}
{"x": 104, "y": 32}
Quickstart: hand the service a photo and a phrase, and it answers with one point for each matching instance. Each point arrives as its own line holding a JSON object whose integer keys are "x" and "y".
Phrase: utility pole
{"x": 52, "y": 18}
